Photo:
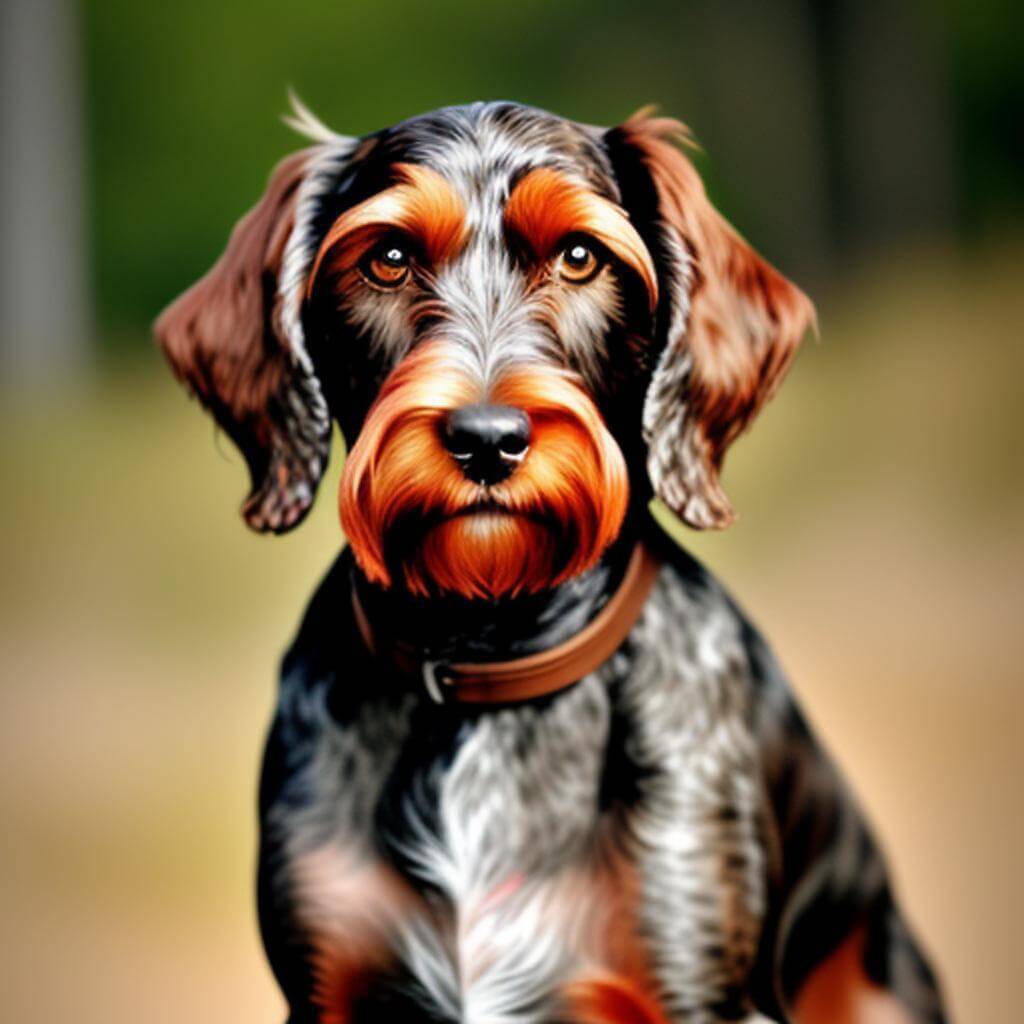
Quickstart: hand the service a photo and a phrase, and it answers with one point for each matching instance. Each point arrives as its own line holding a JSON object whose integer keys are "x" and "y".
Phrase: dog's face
{"x": 510, "y": 315}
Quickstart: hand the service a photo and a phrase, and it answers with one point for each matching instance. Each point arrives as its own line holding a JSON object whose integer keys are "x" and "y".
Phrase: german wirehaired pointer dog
{"x": 529, "y": 762}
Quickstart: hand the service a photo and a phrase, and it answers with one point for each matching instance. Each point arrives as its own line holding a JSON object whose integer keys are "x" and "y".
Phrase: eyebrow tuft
{"x": 545, "y": 207}
{"x": 421, "y": 203}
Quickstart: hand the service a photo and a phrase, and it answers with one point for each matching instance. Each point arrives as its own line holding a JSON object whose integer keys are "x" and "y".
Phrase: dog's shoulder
{"x": 828, "y": 875}
{"x": 309, "y": 669}
{"x": 326, "y": 636}
{"x": 324, "y": 677}
{"x": 773, "y": 709}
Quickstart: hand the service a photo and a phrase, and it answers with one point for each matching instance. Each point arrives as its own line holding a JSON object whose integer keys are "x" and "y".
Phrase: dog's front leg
{"x": 697, "y": 821}
{"x": 327, "y": 903}
{"x": 703, "y": 887}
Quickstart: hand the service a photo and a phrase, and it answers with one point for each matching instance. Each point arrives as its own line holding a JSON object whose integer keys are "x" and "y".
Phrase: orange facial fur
{"x": 406, "y": 506}
{"x": 545, "y": 206}
{"x": 422, "y": 204}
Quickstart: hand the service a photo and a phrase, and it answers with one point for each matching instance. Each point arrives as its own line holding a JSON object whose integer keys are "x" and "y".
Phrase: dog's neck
{"x": 456, "y": 629}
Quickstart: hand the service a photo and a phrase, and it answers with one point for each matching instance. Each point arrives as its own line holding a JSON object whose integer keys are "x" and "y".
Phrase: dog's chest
{"x": 511, "y": 875}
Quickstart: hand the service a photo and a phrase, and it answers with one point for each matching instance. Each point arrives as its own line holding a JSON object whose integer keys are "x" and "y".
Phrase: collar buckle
{"x": 435, "y": 677}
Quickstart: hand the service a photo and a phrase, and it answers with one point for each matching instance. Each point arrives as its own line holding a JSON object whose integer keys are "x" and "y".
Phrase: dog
{"x": 529, "y": 761}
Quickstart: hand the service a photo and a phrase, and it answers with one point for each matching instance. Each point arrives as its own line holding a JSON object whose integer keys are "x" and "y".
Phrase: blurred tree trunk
{"x": 764, "y": 134}
{"x": 831, "y": 120}
{"x": 893, "y": 135}
{"x": 44, "y": 310}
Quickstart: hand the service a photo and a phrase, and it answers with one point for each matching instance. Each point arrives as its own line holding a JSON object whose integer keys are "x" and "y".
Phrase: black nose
{"x": 487, "y": 441}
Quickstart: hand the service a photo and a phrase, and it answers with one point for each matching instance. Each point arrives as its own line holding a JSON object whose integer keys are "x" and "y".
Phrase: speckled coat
{"x": 668, "y": 818}
{"x": 662, "y": 841}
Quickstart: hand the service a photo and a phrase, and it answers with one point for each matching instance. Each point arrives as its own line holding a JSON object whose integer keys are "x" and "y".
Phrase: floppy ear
{"x": 235, "y": 337}
{"x": 730, "y": 326}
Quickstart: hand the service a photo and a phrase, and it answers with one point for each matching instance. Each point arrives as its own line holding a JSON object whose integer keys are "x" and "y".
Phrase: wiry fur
{"x": 742, "y": 324}
{"x": 249, "y": 368}
{"x": 519, "y": 825}
{"x": 504, "y": 829}
{"x": 660, "y": 842}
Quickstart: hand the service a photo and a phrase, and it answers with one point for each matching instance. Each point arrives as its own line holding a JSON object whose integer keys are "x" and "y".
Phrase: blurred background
{"x": 875, "y": 152}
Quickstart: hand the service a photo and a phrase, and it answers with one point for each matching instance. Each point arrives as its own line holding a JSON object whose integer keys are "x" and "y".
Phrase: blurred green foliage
{"x": 183, "y": 103}
{"x": 985, "y": 41}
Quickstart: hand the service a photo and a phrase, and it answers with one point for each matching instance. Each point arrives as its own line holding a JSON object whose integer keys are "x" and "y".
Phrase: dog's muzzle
{"x": 454, "y": 488}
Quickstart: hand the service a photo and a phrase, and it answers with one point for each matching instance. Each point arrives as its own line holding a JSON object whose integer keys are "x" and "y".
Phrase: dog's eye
{"x": 578, "y": 262}
{"x": 387, "y": 266}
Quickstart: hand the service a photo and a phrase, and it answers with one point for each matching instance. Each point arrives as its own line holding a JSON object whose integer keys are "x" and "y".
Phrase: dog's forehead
{"x": 484, "y": 148}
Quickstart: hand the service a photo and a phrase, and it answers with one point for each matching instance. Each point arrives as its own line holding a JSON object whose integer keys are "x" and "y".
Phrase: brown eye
{"x": 387, "y": 266}
{"x": 578, "y": 262}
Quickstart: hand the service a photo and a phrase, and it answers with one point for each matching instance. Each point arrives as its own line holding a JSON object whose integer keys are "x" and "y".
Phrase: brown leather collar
{"x": 534, "y": 675}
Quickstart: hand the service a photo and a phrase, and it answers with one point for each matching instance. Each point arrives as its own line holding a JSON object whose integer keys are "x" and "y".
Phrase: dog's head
{"x": 520, "y": 323}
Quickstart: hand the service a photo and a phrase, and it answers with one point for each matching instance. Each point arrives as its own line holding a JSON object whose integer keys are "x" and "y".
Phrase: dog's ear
{"x": 235, "y": 338}
{"x": 729, "y": 324}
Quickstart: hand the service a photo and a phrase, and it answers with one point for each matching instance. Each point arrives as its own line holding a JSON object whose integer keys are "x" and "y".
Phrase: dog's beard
{"x": 483, "y": 554}
{"x": 414, "y": 519}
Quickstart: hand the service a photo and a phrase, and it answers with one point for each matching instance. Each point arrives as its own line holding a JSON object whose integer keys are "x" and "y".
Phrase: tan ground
{"x": 880, "y": 548}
